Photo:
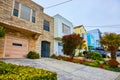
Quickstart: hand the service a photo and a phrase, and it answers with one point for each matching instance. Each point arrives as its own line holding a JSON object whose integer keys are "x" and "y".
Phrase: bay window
{"x": 24, "y": 12}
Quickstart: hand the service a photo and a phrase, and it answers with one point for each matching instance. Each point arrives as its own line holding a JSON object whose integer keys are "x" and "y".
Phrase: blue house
{"x": 93, "y": 37}
{"x": 90, "y": 40}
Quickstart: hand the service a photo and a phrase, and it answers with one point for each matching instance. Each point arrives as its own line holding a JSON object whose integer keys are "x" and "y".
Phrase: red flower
{"x": 81, "y": 61}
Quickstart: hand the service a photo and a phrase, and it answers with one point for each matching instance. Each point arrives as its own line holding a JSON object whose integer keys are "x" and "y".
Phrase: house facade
{"x": 82, "y": 31}
{"x": 27, "y": 29}
{"x": 62, "y": 27}
{"x": 91, "y": 41}
{"x": 94, "y": 38}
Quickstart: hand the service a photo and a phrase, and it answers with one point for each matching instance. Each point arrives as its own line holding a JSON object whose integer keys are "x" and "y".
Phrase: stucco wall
{"x": 58, "y": 33}
{"x": 58, "y": 25}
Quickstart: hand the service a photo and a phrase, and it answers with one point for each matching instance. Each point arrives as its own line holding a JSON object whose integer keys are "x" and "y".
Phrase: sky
{"x": 93, "y": 14}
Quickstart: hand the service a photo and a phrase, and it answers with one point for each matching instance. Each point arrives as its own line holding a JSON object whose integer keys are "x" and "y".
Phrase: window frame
{"x": 14, "y": 8}
{"x": 24, "y": 10}
{"x": 46, "y": 25}
{"x": 65, "y": 28}
{"x": 19, "y": 12}
{"x": 33, "y": 16}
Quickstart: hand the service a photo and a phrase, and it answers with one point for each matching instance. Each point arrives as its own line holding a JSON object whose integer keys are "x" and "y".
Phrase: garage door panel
{"x": 16, "y": 47}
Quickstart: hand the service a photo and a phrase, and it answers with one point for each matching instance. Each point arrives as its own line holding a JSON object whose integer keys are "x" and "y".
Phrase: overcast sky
{"x": 102, "y": 13}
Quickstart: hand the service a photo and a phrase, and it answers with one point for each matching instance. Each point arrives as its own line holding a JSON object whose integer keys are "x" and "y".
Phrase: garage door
{"x": 15, "y": 47}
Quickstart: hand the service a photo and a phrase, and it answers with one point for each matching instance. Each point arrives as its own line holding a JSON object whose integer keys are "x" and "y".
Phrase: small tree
{"x": 70, "y": 43}
{"x": 112, "y": 42}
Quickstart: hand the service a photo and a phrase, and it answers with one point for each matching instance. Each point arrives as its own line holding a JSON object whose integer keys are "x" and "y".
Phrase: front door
{"x": 45, "y": 51}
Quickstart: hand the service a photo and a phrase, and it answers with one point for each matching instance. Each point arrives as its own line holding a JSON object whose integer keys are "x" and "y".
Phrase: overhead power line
{"x": 115, "y": 26}
{"x": 58, "y": 4}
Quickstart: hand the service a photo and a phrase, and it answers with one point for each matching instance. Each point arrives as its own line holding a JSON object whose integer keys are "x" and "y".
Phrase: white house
{"x": 62, "y": 27}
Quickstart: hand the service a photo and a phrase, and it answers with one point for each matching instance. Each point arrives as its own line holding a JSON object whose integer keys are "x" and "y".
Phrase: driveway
{"x": 67, "y": 70}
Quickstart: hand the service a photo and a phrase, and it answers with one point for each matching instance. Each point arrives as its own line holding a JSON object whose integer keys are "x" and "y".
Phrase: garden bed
{"x": 15, "y": 72}
{"x": 88, "y": 62}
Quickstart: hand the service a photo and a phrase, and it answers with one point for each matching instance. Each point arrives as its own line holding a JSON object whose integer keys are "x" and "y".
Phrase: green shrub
{"x": 33, "y": 55}
{"x": 94, "y": 56}
{"x": 53, "y": 56}
{"x": 113, "y": 69}
{"x": 95, "y": 63}
{"x": 2, "y": 32}
{"x": 15, "y": 72}
{"x": 80, "y": 54}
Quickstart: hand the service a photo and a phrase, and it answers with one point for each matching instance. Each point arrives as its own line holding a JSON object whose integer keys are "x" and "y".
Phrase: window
{"x": 46, "y": 25}
{"x": 60, "y": 44}
{"x": 65, "y": 29}
{"x": 17, "y": 44}
{"x": 83, "y": 36}
{"x": 33, "y": 16}
{"x": 25, "y": 12}
{"x": 16, "y": 9}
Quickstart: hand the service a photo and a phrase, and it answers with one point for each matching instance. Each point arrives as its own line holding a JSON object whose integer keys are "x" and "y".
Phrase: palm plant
{"x": 112, "y": 42}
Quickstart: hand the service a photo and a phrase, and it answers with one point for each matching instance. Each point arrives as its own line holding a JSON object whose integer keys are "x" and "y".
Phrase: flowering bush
{"x": 81, "y": 61}
{"x": 70, "y": 59}
{"x": 113, "y": 63}
{"x": 101, "y": 65}
{"x": 15, "y": 72}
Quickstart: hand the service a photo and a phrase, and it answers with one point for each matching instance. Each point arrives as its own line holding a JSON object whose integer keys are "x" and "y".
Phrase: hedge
{"x": 15, "y": 72}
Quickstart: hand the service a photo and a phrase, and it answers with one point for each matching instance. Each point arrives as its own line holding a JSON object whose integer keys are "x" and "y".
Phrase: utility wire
{"x": 58, "y": 4}
{"x": 115, "y": 26}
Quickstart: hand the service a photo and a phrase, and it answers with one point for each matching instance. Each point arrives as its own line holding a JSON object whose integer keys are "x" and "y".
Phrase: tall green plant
{"x": 70, "y": 43}
{"x": 112, "y": 42}
{"x": 2, "y": 32}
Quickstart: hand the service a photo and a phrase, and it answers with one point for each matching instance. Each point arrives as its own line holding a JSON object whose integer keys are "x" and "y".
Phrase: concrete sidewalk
{"x": 67, "y": 70}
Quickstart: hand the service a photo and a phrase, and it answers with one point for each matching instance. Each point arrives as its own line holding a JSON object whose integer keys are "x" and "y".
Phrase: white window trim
{"x": 30, "y": 15}
{"x": 19, "y": 11}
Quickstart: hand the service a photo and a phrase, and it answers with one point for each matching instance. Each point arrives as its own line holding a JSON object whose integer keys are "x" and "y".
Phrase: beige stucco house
{"x": 27, "y": 28}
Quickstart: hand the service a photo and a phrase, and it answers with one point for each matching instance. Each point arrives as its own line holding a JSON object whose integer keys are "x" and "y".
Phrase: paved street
{"x": 67, "y": 70}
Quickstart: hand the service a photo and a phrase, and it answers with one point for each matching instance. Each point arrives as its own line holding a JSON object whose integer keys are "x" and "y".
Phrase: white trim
{"x": 31, "y": 15}
{"x": 19, "y": 12}
{"x": 13, "y": 7}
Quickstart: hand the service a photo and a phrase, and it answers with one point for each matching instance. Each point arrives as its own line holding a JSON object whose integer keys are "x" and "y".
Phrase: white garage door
{"x": 15, "y": 47}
